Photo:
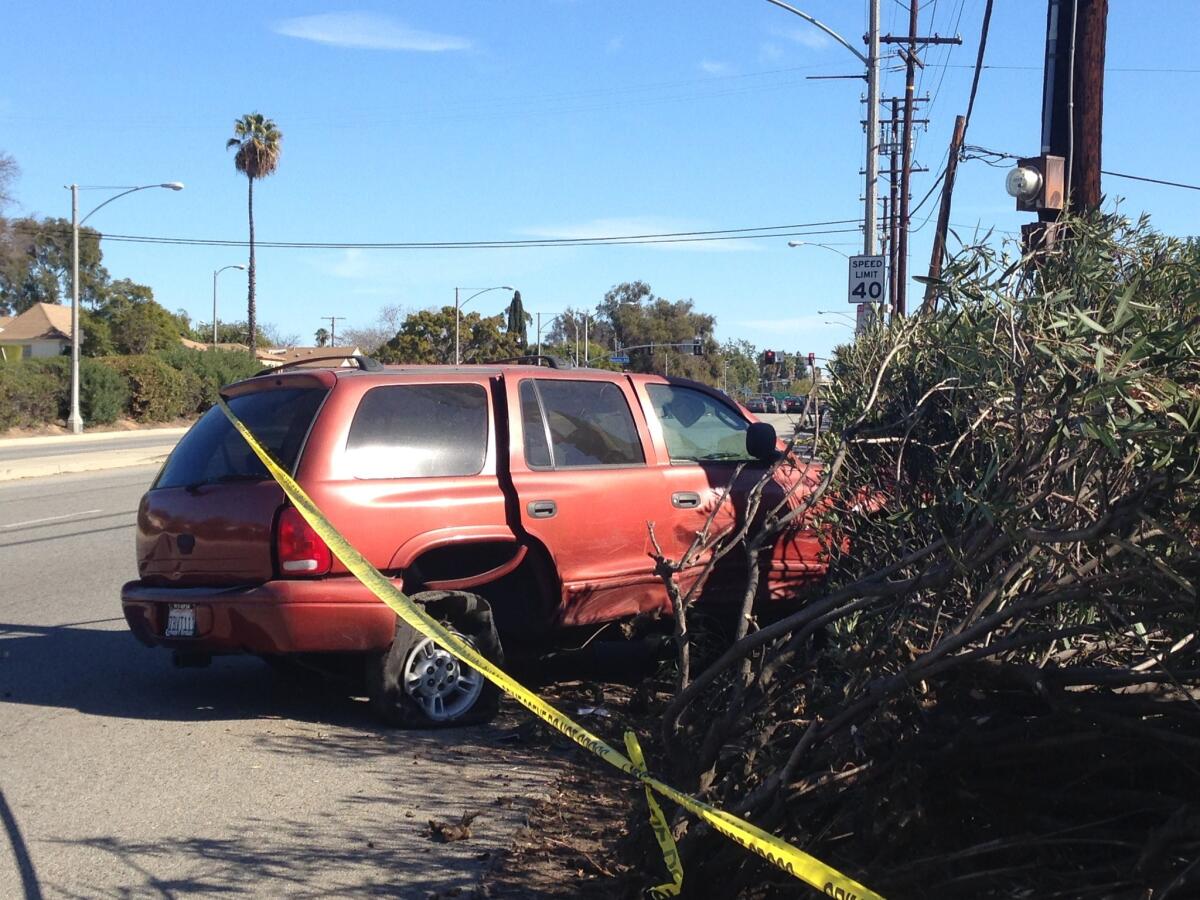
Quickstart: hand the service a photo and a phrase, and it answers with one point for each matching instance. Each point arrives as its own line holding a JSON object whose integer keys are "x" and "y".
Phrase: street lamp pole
{"x": 217, "y": 272}
{"x": 458, "y": 312}
{"x": 75, "y": 418}
{"x": 871, "y": 61}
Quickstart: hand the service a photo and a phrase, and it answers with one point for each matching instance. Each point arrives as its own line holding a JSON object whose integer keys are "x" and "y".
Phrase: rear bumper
{"x": 332, "y": 615}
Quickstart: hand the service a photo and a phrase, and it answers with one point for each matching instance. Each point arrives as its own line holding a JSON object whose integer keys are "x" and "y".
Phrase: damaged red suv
{"x": 513, "y": 501}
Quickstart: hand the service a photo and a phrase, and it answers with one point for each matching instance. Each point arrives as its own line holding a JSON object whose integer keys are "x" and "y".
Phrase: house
{"x": 269, "y": 358}
{"x": 42, "y": 330}
{"x": 297, "y": 355}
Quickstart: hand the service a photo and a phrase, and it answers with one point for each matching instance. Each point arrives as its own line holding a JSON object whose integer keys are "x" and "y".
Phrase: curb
{"x": 88, "y": 436}
{"x": 82, "y": 462}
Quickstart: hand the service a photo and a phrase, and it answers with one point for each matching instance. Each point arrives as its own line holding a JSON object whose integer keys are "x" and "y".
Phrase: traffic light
{"x": 698, "y": 345}
{"x": 812, "y": 360}
{"x": 769, "y": 358}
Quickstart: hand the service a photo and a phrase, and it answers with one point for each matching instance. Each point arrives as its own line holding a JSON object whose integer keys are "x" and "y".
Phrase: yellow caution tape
{"x": 776, "y": 851}
{"x": 658, "y": 822}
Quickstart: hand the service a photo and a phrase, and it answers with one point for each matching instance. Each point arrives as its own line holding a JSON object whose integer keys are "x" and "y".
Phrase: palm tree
{"x": 322, "y": 337}
{"x": 259, "y": 144}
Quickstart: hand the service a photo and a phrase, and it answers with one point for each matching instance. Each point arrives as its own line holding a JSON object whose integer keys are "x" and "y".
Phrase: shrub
{"x": 103, "y": 392}
{"x": 157, "y": 392}
{"x": 28, "y": 395}
{"x": 207, "y": 371}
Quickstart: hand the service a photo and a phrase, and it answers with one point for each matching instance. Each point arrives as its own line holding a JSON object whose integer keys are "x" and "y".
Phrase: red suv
{"x": 511, "y": 500}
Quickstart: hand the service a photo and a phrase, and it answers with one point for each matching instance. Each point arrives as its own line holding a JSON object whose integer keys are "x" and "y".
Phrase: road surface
{"x": 123, "y": 777}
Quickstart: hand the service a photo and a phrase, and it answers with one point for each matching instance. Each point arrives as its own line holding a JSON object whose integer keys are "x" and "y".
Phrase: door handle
{"x": 542, "y": 509}
{"x": 685, "y": 500}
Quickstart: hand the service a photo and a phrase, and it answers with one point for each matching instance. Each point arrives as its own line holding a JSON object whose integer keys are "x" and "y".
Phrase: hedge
{"x": 157, "y": 391}
{"x": 212, "y": 369}
{"x": 151, "y": 388}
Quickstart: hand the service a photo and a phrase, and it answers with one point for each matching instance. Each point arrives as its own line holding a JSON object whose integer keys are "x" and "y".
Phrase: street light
{"x": 871, "y": 62}
{"x": 458, "y": 311}
{"x": 217, "y": 272}
{"x": 75, "y": 419}
{"x": 815, "y": 244}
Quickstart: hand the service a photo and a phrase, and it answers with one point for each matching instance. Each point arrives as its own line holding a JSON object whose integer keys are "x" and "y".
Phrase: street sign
{"x": 866, "y": 279}
{"x": 619, "y": 358}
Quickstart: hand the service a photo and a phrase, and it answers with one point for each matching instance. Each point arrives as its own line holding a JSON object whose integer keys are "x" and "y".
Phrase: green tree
{"x": 259, "y": 144}
{"x": 35, "y": 265}
{"x": 518, "y": 320}
{"x": 321, "y": 337}
{"x": 427, "y": 336}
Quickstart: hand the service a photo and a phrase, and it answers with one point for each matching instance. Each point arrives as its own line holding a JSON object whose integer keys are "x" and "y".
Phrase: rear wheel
{"x": 417, "y": 684}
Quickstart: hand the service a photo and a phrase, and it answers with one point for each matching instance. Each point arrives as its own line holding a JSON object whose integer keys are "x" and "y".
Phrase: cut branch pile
{"x": 997, "y": 691}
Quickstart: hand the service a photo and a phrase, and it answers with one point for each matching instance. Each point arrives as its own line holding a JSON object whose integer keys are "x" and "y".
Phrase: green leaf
{"x": 1090, "y": 322}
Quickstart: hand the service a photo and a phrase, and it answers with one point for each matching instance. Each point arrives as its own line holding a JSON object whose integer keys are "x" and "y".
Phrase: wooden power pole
{"x": 1083, "y": 168}
{"x": 911, "y": 42}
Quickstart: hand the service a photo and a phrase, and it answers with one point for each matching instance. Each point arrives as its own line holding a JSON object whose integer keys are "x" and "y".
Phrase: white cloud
{"x": 716, "y": 68}
{"x": 367, "y": 31}
{"x": 770, "y": 53}
{"x": 806, "y": 36}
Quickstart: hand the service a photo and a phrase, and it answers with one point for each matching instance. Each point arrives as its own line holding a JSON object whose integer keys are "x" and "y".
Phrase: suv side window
{"x": 696, "y": 426}
{"x": 587, "y": 423}
{"x": 419, "y": 430}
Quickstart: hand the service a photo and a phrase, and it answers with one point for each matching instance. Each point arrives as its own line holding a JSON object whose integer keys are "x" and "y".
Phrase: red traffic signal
{"x": 812, "y": 360}
{"x": 769, "y": 357}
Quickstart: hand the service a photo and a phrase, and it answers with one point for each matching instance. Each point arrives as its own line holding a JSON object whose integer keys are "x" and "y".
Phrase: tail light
{"x": 298, "y": 547}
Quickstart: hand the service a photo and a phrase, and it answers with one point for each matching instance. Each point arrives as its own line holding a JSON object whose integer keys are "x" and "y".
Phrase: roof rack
{"x": 364, "y": 363}
{"x": 551, "y": 362}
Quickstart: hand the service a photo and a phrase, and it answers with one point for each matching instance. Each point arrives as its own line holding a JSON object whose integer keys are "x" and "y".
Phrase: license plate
{"x": 181, "y": 620}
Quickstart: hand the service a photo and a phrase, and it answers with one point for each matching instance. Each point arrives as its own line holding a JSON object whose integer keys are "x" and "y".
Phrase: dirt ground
{"x": 577, "y": 843}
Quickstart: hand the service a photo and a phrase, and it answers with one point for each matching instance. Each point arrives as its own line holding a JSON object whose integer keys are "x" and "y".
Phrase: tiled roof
{"x": 298, "y": 354}
{"x": 41, "y": 322}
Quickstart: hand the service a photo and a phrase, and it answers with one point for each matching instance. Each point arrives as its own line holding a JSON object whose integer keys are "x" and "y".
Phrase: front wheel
{"x": 417, "y": 684}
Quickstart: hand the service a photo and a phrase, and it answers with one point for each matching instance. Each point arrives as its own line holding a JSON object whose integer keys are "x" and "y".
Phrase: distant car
{"x": 756, "y": 404}
{"x": 794, "y": 404}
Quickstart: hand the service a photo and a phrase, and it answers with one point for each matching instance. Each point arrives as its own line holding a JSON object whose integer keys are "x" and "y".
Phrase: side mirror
{"x": 761, "y": 441}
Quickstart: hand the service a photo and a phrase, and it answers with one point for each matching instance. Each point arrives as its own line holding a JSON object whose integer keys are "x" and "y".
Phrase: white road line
{"x": 86, "y": 512}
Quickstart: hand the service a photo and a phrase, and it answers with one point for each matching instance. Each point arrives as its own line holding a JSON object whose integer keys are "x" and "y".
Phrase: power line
{"x": 1178, "y": 184}
{"x": 995, "y": 158}
{"x": 724, "y": 234}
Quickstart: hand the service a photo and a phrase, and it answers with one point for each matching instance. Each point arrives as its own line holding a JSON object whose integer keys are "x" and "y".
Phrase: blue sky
{"x": 476, "y": 121}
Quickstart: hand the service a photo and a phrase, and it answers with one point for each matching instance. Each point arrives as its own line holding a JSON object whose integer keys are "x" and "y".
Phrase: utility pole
{"x": 911, "y": 42}
{"x": 539, "y": 334}
{"x": 333, "y": 320}
{"x": 894, "y": 236}
{"x": 943, "y": 223}
{"x": 910, "y": 69}
{"x": 1066, "y": 175}
{"x": 1083, "y": 168}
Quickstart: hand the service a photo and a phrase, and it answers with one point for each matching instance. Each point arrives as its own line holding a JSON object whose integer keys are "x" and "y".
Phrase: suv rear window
{"x": 419, "y": 430}
{"x": 212, "y": 451}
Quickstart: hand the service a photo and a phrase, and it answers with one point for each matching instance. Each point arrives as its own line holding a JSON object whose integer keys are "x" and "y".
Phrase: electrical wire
{"x": 995, "y": 158}
{"x": 807, "y": 229}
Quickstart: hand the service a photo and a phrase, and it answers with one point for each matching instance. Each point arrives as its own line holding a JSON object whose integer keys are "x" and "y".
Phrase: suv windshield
{"x": 213, "y": 451}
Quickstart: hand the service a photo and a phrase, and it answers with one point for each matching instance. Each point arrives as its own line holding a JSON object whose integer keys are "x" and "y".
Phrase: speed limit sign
{"x": 866, "y": 279}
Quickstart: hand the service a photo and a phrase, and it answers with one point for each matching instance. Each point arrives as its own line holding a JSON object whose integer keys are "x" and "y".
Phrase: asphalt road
{"x": 133, "y": 440}
{"x": 121, "y": 776}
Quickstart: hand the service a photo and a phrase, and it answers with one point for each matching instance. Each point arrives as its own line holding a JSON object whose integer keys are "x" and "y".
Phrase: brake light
{"x": 299, "y": 548}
